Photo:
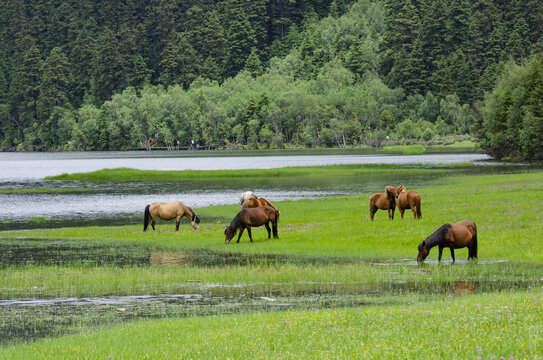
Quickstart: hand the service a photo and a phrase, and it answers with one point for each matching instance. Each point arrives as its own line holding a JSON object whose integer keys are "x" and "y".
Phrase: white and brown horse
{"x": 252, "y": 203}
{"x": 247, "y": 195}
{"x": 167, "y": 211}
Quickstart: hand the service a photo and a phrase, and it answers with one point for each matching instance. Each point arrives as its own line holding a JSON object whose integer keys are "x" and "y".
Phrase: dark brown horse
{"x": 168, "y": 211}
{"x": 455, "y": 236}
{"x": 252, "y": 217}
{"x": 251, "y": 203}
{"x": 386, "y": 201}
{"x": 408, "y": 200}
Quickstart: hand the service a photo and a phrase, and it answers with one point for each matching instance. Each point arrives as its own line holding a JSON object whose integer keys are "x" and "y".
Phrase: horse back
{"x": 257, "y": 216}
{"x": 463, "y": 232}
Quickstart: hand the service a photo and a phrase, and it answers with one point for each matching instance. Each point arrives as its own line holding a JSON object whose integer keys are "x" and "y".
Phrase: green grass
{"x": 508, "y": 210}
{"x": 405, "y": 149}
{"x": 323, "y": 172}
{"x": 466, "y": 327}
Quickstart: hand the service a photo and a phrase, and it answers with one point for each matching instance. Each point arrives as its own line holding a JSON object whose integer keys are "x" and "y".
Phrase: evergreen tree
{"x": 53, "y": 84}
{"x": 253, "y": 65}
{"x": 107, "y": 67}
{"x": 240, "y": 39}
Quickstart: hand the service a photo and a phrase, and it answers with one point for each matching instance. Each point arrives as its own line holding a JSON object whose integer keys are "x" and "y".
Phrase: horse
{"x": 252, "y": 203}
{"x": 246, "y": 195}
{"x": 454, "y": 236}
{"x": 408, "y": 200}
{"x": 252, "y": 217}
{"x": 384, "y": 202}
{"x": 168, "y": 211}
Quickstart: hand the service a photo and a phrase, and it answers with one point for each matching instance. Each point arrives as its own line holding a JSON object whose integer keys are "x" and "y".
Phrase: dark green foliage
{"x": 513, "y": 113}
{"x": 336, "y": 72}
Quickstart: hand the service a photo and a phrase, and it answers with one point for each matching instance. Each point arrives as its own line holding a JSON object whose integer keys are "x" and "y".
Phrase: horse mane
{"x": 437, "y": 236}
{"x": 236, "y": 223}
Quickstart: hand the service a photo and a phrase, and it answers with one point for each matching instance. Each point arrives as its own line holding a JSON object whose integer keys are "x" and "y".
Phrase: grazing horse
{"x": 408, "y": 200}
{"x": 246, "y": 195}
{"x": 455, "y": 236}
{"x": 252, "y": 203}
{"x": 385, "y": 201}
{"x": 168, "y": 211}
{"x": 250, "y": 217}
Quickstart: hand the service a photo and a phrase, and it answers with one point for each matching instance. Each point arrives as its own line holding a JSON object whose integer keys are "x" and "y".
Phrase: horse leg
{"x": 452, "y": 254}
{"x": 268, "y": 228}
{"x": 153, "y": 222}
{"x": 440, "y": 253}
{"x": 401, "y": 211}
{"x": 249, "y": 232}
{"x": 414, "y": 209}
{"x": 177, "y": 221}
{"x": 373, "y": 209}
{"x": 241, "y": 232}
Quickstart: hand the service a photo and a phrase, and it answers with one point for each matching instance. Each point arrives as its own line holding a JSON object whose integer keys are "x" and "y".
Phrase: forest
{"x": 110, "y": 74}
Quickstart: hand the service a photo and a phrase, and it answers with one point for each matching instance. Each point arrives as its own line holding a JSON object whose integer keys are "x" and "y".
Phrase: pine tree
{"x": 53, "y": 84}
{"x": 240, "y": 39}
{"x": 107, "y": 67}
{"x": 253, "y": 65}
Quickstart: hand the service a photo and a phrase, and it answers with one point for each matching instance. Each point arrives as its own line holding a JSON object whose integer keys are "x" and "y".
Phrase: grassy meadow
{"x": 483, "y": 309}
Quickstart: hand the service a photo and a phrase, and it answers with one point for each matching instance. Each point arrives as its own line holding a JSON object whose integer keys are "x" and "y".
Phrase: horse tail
{"x": 473, "y": 246}
{"x": 274, "y": 225}
{"x": 146, "y": 217}
{"x": 419, "y": 212}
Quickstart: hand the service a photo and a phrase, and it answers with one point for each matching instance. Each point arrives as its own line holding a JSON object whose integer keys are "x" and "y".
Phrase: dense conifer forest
{"x": 109, "y": 74}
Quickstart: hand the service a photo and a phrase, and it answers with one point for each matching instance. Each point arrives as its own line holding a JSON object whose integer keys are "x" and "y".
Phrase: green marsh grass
{"x": 405, "y": 149}
{"x": 317, "y": 172}
{"x": 490, "y": 326}
{"x": 508, "y": 210}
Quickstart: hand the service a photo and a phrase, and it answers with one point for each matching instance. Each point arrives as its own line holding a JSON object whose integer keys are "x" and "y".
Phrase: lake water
{"x": 100, "y": 201}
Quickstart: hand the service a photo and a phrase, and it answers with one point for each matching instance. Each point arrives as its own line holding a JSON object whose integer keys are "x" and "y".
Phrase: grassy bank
{"x": 489, "y": 326}
{"x": 349, "y": 171}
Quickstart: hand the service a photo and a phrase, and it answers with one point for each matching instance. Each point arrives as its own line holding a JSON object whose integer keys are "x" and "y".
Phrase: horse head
{"x": 391, "y": 193}
{"x": 400, "y": 189}
{"x": 195, "y": 221}
{"x": 423, "y": 251}
{"x": 229, "y": 233}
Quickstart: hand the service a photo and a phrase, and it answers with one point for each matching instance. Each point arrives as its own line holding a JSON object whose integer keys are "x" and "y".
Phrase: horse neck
{"x": 188, "y": 213}
{"x": 236, "y": 223}
{"x": 437, "y": 237}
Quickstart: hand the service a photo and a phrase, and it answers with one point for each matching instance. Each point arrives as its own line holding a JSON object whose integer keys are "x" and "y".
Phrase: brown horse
{"x": 455, "y": 236}
{"x": 249, "y": 217}
{"x": 408, "y": 200}
{"x": 251, "y": 203}
{"x": 168, "y": 211}
{"x": 386, "y": 201}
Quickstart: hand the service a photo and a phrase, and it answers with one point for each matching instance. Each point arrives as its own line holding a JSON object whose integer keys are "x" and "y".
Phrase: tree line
{"x": 106, "y": 75}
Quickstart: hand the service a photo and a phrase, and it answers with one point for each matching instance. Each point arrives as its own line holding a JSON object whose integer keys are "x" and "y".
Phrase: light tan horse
{"x": 456, "y": 236}
{"x": 168, "y": 211}
{"x": 246, "y": 195}
{"x": 386, "y": 201}
{"x": 408, "y": 200}
{"x": 252, "y": 203}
